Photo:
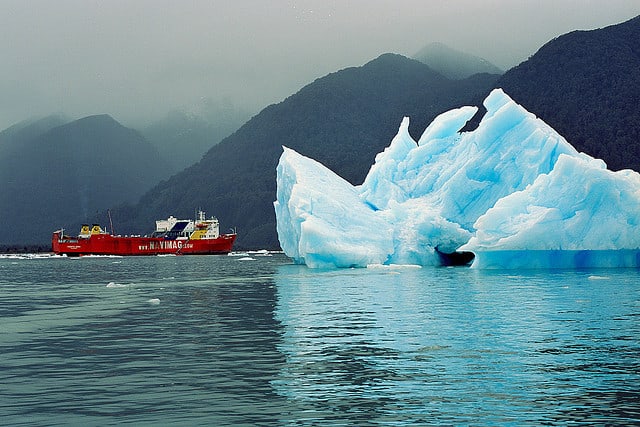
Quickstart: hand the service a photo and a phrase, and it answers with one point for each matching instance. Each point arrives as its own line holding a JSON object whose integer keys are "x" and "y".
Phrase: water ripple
{"x": 220, "y": 341}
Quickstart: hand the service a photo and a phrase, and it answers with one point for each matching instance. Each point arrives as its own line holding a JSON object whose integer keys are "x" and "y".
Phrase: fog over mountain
{"x": 453, "y": 63}
{"x": 137, "y": 60}
{"x": 183, "y": 136}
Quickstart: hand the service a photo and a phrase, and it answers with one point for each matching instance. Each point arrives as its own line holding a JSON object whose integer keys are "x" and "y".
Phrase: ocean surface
{"x": 252, "y": 340}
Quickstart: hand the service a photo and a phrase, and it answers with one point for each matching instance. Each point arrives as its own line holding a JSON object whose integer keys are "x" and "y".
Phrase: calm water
{"x": 237, "y": 340}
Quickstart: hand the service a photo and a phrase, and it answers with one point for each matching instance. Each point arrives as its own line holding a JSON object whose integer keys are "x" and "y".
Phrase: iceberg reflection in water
{"x": 456, "y": 346}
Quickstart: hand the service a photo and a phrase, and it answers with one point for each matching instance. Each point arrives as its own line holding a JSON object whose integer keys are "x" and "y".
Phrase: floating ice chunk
{"x": 393, "y": 266}
{"x": 154, "y": 301}
{"x": 261, "y": 252}
{"x": 116, "y": 285}
{"x": 594, "y": 277}
{"x": 512, "y": 186}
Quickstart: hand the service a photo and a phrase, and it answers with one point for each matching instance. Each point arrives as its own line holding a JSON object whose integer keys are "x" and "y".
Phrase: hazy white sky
{"x": 137, "y": 59}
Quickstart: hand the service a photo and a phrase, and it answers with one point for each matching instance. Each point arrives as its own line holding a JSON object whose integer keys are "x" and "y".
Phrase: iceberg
{"x": 513, "y": 192}
{"x": 321, "y": 219}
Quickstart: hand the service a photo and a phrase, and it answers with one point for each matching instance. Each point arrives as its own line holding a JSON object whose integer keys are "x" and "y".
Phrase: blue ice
{"x": 514, "y": 192}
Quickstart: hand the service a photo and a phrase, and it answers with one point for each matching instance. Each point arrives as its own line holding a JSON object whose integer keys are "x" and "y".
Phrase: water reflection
{"x": 264, "y": 342}
{"x": 451, "y": 346}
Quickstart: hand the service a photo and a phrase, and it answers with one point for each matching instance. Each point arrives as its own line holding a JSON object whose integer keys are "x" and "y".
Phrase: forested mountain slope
{"x": 69, "y": 173}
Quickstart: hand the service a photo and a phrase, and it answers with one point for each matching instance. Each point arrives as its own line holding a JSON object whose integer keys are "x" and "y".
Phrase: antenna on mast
{"x": 110, "y": 222}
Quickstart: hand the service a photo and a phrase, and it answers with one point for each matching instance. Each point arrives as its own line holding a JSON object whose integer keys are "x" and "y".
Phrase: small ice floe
{"x": 154, "y": 301}
{"x": 599, "y": 278}
{"x": 393, "y": 266}
{"x": 261, "y": 252}
{"x": 27, "y": 256}
{"x": 246, "y": 258}
{"x": 42, "y": 256}
{"x": 116, "y": 285}
{"x": 240, "y": 254}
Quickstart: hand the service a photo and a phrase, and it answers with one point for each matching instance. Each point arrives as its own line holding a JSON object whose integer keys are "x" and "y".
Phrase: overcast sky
{"x": 138, "y": 59}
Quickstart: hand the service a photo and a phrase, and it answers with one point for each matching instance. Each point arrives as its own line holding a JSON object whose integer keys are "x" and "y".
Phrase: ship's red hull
{"x": 106, "y": 244}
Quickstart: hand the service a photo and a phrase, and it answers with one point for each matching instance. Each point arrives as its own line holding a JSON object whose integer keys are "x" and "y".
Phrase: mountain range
{"x": 585, "y": 84}
{"x": 64, "y": 174}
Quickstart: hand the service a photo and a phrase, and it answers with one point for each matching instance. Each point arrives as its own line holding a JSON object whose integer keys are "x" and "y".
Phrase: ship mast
{"x": 110, "y": 222}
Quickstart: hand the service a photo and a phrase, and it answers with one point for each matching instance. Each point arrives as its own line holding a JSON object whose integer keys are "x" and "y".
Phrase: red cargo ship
{"x": 172, "y": 236}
